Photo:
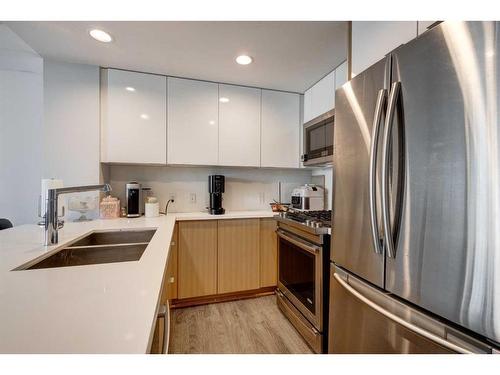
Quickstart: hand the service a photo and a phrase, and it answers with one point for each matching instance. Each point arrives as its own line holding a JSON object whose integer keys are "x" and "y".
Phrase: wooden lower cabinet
{"x": 220, "y": 257}
{"x": 238, "y": 255}
{"x": 169, "y": 291}
{"x": 197, "y": 258}
{"x": 268, "y": 253}
{"x": 236, "y": 258}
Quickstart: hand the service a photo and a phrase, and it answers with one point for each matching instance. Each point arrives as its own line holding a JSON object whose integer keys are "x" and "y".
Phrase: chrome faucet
{"x": 51, "y": 221}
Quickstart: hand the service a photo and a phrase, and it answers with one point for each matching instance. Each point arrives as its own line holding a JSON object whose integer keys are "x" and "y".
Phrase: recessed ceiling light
{"x": 129, "y": 88}
{"x": 223, "y": 100}
{"x": 211, "y": 122}
{"x": 244, "y": 60}
{"x": 145, "y": 116}
{"x": 100, "y": 35}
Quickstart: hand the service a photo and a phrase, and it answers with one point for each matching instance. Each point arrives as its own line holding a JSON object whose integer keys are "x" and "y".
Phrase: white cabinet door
{"x": 239, "y": 126}
{"x": 423, "y": 25}
{"x": 323, "y": 95}
{"x": 308, "y": 105}
{"x": 340, "y": 75}
{"x": 280, "y": 129}
{"x": 372, "y": 40}
{"x": 320, "y": 98}
{"x": 134, "y": 117}
{"x": 192, "y": 122}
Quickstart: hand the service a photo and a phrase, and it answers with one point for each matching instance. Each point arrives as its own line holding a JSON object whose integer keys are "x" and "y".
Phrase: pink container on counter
{"x": 109, "y": 208}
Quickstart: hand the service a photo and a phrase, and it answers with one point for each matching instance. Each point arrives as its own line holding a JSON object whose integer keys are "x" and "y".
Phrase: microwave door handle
{"x": 391, "y": 109}
{"x": 381, "y": 99}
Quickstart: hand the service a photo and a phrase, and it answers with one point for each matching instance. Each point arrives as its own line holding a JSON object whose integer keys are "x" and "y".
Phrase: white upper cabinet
{"x": 134, "y": 117}
{"x": 152, "y": 119}
{"x": 341, "y": 75}
{"x": 192, "y": 122}
{"x": 422, "y": 26}
{"x": 323, "y": 95}
{"x": 320, "y": 98}
{"x": 372, "y": 40}
{"x": 280, "y": 138}
{"x": 239, "y": 126}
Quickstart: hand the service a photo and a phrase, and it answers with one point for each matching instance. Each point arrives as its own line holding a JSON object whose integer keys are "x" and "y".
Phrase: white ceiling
{"x": 287, "y": 56}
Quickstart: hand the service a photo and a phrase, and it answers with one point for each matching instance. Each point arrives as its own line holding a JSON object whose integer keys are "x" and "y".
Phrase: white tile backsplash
{"x": 327, "y": 172}
{"x": 245, "y": 188}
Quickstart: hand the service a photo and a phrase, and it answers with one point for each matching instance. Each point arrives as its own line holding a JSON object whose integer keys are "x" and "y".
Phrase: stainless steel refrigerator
{"x": 415, "y": 244}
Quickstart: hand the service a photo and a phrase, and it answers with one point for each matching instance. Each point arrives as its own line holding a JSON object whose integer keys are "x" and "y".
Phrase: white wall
{"x": 21, "y": 137}
{"x": 245, "y": 188}
{"x": 71, "y": 125}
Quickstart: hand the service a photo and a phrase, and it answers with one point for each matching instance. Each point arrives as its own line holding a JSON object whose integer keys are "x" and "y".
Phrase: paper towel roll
{"x": 152, "y": 209}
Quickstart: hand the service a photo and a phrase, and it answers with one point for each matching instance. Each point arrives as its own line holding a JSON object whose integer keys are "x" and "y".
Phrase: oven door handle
{"x": 313, "y": 249}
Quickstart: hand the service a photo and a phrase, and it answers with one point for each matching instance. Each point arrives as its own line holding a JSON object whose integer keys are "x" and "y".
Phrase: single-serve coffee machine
{"x": 133, "y": 199}
{"x": 215, "y": 189}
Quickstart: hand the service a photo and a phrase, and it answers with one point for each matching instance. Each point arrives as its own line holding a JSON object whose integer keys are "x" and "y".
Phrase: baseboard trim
{"x": 226, "y": 297}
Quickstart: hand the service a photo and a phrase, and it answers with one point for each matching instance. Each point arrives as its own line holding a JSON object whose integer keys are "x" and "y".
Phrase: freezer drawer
{"x": 366, "y": 320}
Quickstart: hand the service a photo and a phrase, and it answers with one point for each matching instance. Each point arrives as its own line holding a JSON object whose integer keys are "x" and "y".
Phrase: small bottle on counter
{"x": 109, "y": 208}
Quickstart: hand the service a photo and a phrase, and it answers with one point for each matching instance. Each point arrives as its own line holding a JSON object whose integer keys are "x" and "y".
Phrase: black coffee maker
{"x": 215, "y": 189}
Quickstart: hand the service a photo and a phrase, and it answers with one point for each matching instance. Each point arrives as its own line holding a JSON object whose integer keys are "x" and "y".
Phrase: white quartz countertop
{"x": 101, "y": 308}
{"x": 228, "y": 215}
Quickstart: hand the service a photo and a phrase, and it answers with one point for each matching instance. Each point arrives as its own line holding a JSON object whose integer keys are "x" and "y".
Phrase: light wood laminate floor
{"x": 247, "y": 326}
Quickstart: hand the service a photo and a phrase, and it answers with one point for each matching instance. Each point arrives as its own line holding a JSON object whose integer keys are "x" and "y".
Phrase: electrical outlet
{"x": 192, "y": 197}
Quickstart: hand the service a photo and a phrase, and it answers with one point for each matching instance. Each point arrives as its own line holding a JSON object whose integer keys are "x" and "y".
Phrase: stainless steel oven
{"x": 318, "y": 140}
{"x": 303, "y": 280}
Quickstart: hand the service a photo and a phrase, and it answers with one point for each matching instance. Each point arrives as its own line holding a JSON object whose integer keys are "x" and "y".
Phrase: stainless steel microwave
{"x": 318, "y": 140}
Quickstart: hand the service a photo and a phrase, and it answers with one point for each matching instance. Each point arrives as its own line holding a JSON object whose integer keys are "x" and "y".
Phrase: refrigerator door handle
{"x": 412, "y": 327}
{"x": 391, "y": 109}
{"x": 381, "y": 99}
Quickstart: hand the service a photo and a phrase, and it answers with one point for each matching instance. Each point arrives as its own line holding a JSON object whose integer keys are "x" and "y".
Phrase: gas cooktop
{"x": 324, "y": 218}
{"x": 320, "y": 221}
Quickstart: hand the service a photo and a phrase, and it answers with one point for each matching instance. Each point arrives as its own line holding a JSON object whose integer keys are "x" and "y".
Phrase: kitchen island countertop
{"x": 100, "y": 308}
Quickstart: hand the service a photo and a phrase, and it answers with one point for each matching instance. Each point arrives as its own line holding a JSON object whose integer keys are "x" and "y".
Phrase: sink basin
{"x": 98, "y": 248}
{"x": 115, "y": 237}
{"x": 85, "y": 255}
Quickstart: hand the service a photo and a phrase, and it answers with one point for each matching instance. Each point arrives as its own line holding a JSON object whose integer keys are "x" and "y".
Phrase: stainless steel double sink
{"x": 97, "y": 248}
